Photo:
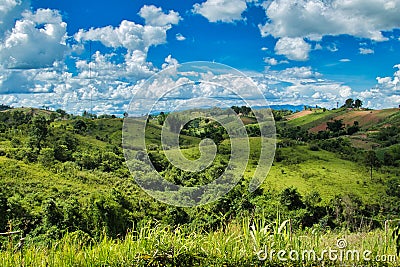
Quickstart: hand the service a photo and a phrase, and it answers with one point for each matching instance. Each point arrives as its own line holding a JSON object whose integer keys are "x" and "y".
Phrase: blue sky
{"x": 298, "y": 52}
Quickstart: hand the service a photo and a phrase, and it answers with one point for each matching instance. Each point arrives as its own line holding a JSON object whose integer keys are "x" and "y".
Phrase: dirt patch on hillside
{"x": 321, "y": 127}
{"x": 363, "y": 117}
{"x": 299, "y": 114}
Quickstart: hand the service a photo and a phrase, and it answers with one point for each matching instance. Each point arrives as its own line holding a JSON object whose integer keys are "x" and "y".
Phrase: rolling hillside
{"x": 316, "y": 119}
{"x": 64, "y": 174}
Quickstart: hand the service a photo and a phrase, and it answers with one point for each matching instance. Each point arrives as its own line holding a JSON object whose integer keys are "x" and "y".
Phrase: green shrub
{"x": 46, "y": 157}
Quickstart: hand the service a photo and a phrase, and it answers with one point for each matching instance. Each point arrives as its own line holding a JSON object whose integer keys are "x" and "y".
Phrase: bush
{"x": 46, "y": 157}
{"x": 291, "y": 198}
{"x": 26, "y": 154}
{"x": 313, "y": 147}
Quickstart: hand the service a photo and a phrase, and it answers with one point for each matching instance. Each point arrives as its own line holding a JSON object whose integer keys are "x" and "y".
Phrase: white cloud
{"x": 10, "y": 10}
{"x": 384, "y": 80}
{"x": 271, "y": 61}
{"x": 108, "y": 83}
{"x": 137, "y": 66}
{"x": 345, "y": 91}
{"x": 29, "y": 81}
{"x": 333, "y": 48}
{"x": 36, "y": 41}
{"x": 154, "y": 16}
{"x": 129, "y": 35}
{"x": 293, "y": 48}
{"x": 318, "y": 46}
{"x": 170, "y": 61}
{"x": 301, "y": 86}
{"x": 386, "y": 92}
{"x": 344, "y": 60}
{"x": 314, "y": 19}
{"x": 391, "y": 82}
{"x": 36, "y": 44}
{"x": 366, "y": 51}
{"x": 221, "y": 10}
{"x": 299, "y": 73}
{"x": 180, "y": 37}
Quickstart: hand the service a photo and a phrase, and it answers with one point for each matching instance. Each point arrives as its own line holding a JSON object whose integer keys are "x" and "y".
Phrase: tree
{"x": 335, "y": 126}
{"x": 80, "y": 126}
{"x": 372, "y": 160}
{"x": 39, "y": 131}
{"x": 353, "y": 129}
{"x": 358, "y": 103}
{"x": 62, "y": 153}
{"x": 161, "y": 118}
{"x": 349, "y": 103}
{"x": 245, "y": 110}
{"x": 61, "y": 112}
{"x": 236, "y": 109}
{"x": 53, "y": 116}
{"x": 291, "y": 198}
{"x": 46, "y": 157}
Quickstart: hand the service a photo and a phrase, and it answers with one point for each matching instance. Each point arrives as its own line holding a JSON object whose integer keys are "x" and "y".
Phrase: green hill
{"x": 62, "y": 174}
{"x": 316, "y": 119}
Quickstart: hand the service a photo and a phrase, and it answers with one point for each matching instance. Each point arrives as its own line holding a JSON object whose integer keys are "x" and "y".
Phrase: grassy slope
{"x": 36, "y": 184}
{"x": 327, "y": 174}
{"x": 322, "y": 171}
{"x": 369, "y": 120}
{"x": 317, "y": 119}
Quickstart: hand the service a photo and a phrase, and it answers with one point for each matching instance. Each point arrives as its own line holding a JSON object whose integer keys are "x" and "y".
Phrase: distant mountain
{"x": 293, "y": 108}
{"x": 288, "y": 107}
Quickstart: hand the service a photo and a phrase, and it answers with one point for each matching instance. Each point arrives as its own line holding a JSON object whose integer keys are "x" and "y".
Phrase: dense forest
{"x": 64, "y": 180}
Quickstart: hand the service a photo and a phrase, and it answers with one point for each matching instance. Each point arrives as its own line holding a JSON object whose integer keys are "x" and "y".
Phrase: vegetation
{"x": 66, "y": 188}
{"x": 241, "y": 243}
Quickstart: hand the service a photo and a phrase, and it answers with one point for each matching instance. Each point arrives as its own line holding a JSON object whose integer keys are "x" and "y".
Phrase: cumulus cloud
{"x": 391, "y": 82}
{"x": 293, "y": 48}
{"x": 137, "y": 66}
{"x": 29, "y": 81}
{"x": 180, "y": 37}
{"x": 316, "y": 18}
{"x": 154, "y": 16}
{"x": 221, "y": 10}
{"x": 300, "y": 86}
{"x": 303, "y": 73}
{"x": 313, "y": 19}
{"x": 33, "y": 48}
{"x": 271, "y": 61}
{"x": 129, "y": 35}
{"x": 37, "y": 40}
{"x": 386, "y": 92}
{"x": 366, "y": 51}
{"x": 333, "y": 48}
{"x": 9, "y": 11}
{"x": 297, "y": 86}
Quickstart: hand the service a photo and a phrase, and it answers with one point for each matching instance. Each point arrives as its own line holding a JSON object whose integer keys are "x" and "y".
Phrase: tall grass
{"x": 237, "y": 244}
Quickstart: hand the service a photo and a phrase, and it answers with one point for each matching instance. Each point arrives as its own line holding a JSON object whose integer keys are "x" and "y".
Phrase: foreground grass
{"x": 238, "y": 244}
